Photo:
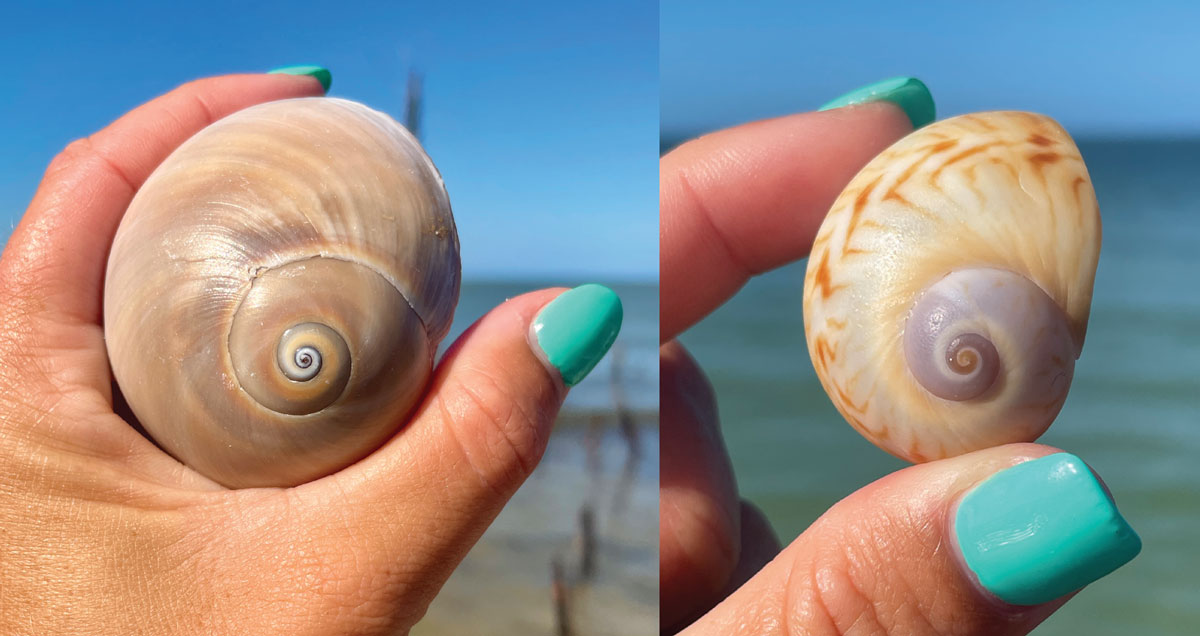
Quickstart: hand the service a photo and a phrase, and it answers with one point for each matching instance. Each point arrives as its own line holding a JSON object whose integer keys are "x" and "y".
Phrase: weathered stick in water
{"x": 587, "y": 542}
{"x": 558, "y": 595}
{"x": 625, "y": 420}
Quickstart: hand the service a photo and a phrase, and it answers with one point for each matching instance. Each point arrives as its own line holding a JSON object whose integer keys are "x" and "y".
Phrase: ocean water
{"x": 1133, "y": 412}
{"x": 635, "y": 351}
{"x": 505, "y": 584}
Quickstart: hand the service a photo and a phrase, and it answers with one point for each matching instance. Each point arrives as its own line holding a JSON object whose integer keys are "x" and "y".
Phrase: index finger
{"x": 55, "y": 257}
{"x": 742, "y": 201}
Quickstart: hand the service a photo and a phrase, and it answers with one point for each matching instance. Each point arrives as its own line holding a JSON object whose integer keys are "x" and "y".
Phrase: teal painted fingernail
{"x": 575, "y": 330}
{"x": 909, "y": 93}
{"x": 321, "y": 73}
{"x": 1042, "y": 529}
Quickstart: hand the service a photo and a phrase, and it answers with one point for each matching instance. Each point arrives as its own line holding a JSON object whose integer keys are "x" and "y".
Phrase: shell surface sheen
{"x": 993, "y": 217}
{"x": 277, "y": 290}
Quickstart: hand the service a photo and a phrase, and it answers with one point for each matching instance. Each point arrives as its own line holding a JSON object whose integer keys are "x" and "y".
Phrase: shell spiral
{"x": 948, "y": 290}
{"x": 277, "y": 290}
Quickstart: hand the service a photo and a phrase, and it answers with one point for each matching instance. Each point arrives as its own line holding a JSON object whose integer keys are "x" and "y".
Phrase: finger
{"x": 699, "y": 523}
{"x": 427, "y": 496}
{"x": 745, "y": 200}
{"x": 702, "y": 538}
{"x": 986, "y": 543}
{"x": 760, "y": 545}
{"x": 53, "y": 266}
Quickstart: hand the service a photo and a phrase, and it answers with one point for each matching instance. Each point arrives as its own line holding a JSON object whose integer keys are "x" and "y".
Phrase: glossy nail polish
{"x": 909, "y": 93}
{"x": 1042, "y": 529}
{"x": 322, "y": 74}
{"x": 574, "y": 331}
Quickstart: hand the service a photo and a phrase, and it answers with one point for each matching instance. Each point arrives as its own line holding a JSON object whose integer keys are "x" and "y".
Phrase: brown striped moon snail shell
{"x": 277, "y": 290}
{"x": 947, "y": 293}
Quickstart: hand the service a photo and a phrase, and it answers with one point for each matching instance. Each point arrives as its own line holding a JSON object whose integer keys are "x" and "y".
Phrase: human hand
{"x": 740, "y": 202}
{"x": 103, "y": 533}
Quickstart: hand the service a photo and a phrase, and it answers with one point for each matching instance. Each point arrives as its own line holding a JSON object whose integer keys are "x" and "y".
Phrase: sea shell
{"x": 948, "y": 290}
{"x": 278, "y": 288}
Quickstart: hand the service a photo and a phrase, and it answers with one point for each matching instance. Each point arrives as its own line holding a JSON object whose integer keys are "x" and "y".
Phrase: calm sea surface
{"x": 1133, "y": 411}
{"x": 504, "y": 586}
{"x": 636, "y": 348}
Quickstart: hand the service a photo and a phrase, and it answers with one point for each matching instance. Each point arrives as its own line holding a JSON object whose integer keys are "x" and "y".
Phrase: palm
{"x": 94, "y": 510}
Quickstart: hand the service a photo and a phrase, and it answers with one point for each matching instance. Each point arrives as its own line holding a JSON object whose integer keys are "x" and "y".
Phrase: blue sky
{"x": 1102, "y": 68}
{"x": 543, "y": 119}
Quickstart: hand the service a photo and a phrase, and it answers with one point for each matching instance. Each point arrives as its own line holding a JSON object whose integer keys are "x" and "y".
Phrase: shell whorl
{"x": 968, "y": 328}
{"x": 948, "y": 290}
{"x": 278, "y": 288}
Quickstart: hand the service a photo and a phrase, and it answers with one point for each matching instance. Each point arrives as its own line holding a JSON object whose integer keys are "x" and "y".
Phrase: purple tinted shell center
{"x": 944, "y": 350}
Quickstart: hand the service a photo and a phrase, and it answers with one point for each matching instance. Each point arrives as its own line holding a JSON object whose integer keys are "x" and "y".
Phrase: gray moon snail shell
{"x": 277, "y": 290}
{"x": 948, "y": 290}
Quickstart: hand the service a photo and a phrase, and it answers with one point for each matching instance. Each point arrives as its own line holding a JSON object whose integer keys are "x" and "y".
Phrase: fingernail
{"x": 321, "y": 73}
{"x": 1042, "y": 529}
{"x": 575, "y": 330}
{"x": 909, "y": 93}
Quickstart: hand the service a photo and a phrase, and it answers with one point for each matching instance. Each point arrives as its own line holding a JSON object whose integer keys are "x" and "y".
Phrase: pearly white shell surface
{"x": 1004, "y": 191}
{"x": 297, "y": 212}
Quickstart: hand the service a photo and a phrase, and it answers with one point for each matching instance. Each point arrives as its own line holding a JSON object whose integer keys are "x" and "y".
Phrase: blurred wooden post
{"x": 558, "y": 594}
{"x": 625, "y": 421}
{"x": 587, "y": 548}
{"x": 412, "y": 104}
{"x": 593, "y": 439}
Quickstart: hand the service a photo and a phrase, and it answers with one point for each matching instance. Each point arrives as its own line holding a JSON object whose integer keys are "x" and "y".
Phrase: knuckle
{"x": 858, "y": 580}
{"x": 839, "y": 594}
{"x": 694, "y": 195}
{"x": 197, "y": 86}
{"x": 498, "y": 437}
{"x": 196, "y": 90}
{"x": 70, "y": 155}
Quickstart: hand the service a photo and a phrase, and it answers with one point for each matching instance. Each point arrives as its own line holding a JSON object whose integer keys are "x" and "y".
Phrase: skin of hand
{"x": 103, "y": 533}
{"x": 734, "y": 204}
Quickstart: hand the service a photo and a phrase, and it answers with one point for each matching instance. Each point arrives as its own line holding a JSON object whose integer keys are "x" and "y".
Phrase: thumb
{"x": 991, "y": 542}
{"x": 429, "y": 493}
